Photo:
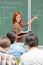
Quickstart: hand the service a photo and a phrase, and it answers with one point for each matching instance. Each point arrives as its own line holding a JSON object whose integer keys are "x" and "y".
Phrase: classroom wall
{"x": 37, "y": 26}
{"x": 28, "y": 9}
{"x": 7, "y": 9}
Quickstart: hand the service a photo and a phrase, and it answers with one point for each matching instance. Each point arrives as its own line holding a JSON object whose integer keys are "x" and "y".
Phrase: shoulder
{"x": 24, "y": 56}
{"x": 16, "y": 24}
{"x": 41, "y": 51}
{"x": 11, "y": 57}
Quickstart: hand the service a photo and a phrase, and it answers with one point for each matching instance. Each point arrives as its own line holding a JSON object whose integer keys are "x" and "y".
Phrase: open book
{"x": 22, "y": 33}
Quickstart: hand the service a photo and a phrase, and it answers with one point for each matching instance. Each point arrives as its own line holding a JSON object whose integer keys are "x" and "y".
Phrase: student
{"x": 16, "y": 49}
{"x": 18, "y": 25}
{"x": 12, "y": 37}
{"x": 5, "y": 59}
{"x": 35, "y": 55}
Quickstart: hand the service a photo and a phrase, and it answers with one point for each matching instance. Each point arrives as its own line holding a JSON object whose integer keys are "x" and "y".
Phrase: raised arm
{"x": 34, "y": 18}
{"x": 29, "y": 22}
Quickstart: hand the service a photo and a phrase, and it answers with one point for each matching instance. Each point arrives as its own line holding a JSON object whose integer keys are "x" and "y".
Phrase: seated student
{"x": 16, "y": 48}
{"x": 35, "y": 55}
{"x": 5, "y": 59}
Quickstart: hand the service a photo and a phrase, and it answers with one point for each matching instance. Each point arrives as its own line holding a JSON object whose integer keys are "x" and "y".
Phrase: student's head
{"x": 17, "y": 17}
{"x": 4, "y": 42}
{"x": 31, "y": 39}
{"x": 11, "y": 36}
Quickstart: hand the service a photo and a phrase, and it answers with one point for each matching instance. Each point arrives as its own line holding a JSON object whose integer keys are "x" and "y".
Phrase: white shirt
{"x": 32, "y": 57}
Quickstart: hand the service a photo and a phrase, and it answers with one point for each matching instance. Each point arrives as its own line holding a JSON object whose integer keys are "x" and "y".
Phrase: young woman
{"x": 18, "y": 25}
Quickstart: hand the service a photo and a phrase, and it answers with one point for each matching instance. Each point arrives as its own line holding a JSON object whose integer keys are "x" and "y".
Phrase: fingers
{"x": 35, "y": 17}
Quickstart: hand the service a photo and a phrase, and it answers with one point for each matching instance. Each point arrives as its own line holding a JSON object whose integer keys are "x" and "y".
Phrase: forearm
{"x": 34, "y": 18}
{"x": 29, "y": 22}
{"x": 24, "y": 24}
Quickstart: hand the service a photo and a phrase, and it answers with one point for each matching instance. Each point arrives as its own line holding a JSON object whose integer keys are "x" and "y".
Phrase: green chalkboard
{"x": 7, "y": 9}
{"x": 37, "y": 26}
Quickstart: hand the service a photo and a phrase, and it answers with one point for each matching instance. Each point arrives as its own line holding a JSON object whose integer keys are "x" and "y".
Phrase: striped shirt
{"x": 6, "y": 59}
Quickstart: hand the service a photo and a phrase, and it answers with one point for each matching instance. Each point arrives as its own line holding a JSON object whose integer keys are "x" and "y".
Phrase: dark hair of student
{"x": 32, "y": 39}
{"x": 11, "y": 36}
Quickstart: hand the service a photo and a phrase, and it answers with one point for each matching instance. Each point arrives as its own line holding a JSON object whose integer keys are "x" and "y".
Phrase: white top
{"x": 32, "y": 57}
